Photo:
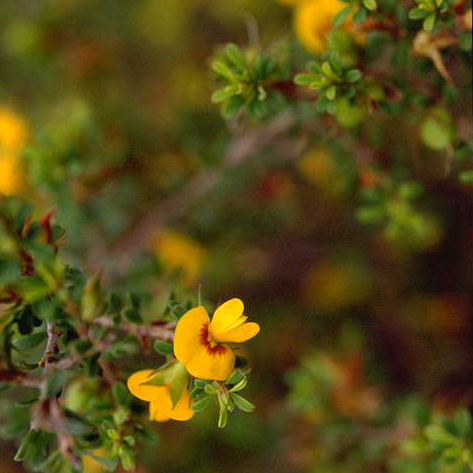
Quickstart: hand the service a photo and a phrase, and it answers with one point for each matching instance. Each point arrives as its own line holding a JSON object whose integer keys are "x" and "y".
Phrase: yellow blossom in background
{"x": 159, "y": 398}
{"x": 319, "y": 168}
{"x": 91, "y": 465}
{"x": 12, "y": 176}
{"x": 200, "y": 344}
{"x": 313, "y": 20}
{"x": 13, "y": 133}
{"x": 180, "y": 255}
{"x": 334, "y": 285}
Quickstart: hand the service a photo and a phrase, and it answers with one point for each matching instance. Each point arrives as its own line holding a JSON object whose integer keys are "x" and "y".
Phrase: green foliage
{"x": 336, "y": 197}
{"x": 63, "y": 337}
{"x": 359, "y": 10}
{"x": 431, "y": 12}
{"x": 225, "y": 394}
{"x": 249, "y": 75}
{"x": 332, "y": 80}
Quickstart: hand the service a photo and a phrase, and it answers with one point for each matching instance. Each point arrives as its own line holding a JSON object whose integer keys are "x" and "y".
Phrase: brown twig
{"x": 241, "y": 149}
{"x": 52, "y": 346}
{"x": 162, "y": 332}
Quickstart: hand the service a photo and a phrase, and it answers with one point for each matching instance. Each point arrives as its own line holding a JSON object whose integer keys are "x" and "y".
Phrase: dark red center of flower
{"x": 212, "y": 347}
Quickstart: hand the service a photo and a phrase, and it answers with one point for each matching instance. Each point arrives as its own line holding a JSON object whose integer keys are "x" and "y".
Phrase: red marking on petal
{"x": 206, "y": 342}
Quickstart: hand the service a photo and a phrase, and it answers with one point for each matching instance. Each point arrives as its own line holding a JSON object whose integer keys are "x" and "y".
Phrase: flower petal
{"x": 217, "y": 365}
{"x": 182, "y": 410}
{"x": 226, "y": 315}
{"x": 187, "y": 334}
{"x": 239, "y": 334}
{"x": 144, "y": 392}
{"x": 160, "y": 407}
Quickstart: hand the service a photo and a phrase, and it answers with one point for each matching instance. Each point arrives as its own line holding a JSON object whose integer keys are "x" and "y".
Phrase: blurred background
{"x": 109, "y": 103}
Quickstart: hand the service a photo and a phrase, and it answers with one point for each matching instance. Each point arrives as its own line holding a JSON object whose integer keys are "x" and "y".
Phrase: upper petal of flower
{"x": 240, "y": 333}
{"x": 140, "y": 390}
{"x": 226, "y": 315}
{"x": 187, "y": 334}
{"x": 212, "y": 365}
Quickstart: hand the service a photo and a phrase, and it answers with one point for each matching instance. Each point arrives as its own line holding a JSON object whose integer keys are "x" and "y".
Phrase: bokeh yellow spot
{"x": 313, "y": 20}
{"x": 180, "y": 255}
{"x": 13, "y": 134}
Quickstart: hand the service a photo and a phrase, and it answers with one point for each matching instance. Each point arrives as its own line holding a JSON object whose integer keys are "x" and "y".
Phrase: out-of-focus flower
{"x": 13, "y": 133}
{"x": 161, "y": 407}
{"x": 442, "y": 315}
{"x": 91, "y": 465}
{"x": 313, "y": 20}
{"x": 334, "y": 285}
{"x": 320, "y": 169}
{"x": 199, "y": 343}
{"x": 11, "y": 174}
{"x": 180, "y": 255}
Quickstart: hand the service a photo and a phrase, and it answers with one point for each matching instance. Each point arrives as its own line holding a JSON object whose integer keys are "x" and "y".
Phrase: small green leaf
{"x": 242, "y": 403}
{"x": 370, "y": 4}
{"x": 354, "y": 75}
{"x": 233, "y": 105}
{"x": 236, "y": 56}
{"x": 201, "y": 403}
{"x": 303, "y": 79}
{"x": 209, "y": 389}
{"x": 462, "y": 420}
{"x": 120, "y": 393}
{"x": 222, "y": 417}
{"x": 162, "y": 347}
{"x": 25, "y": 444}
{"x": 466, "y": 177}
{"x": 417, "y": 13}
{"x": 429, "y": 22}
{"x": 239, "y": 386}
{"x": 29, "y": 341}
{"x": 220, "y": 95}
{"x": 236, "y": 376}
{"x": 341, "y": 16}
{"x": 131, "y": 314}
{"x": 113, "y": 302}
{"x": 331, "y": 92}
{"x": 223, "y": 70}
{"x": 199, "y": 383}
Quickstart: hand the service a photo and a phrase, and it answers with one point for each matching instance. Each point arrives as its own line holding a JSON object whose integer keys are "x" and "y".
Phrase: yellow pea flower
{"x": 180, "y": 254}
{"x": 13, "y": 132}
{"x": 11, "y": 174}
{"x": 313, "y": 20}
{"x": 200, "y": 344}
{"x": 159, "y": 398}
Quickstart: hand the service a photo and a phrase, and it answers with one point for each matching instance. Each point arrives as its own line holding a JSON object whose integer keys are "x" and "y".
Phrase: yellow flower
{"x": 199, "y": 343}
{"x": 180, "y": 254}
{"x": 11, "y": 174}
{"x": 334, "y": 285}
{"x": 91, "y": 465}
{"x": 159, "y": 398}
{"x": 320, "y": 168}
{"x": 13, "y": 132}
{"x": 313, "y": 20}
